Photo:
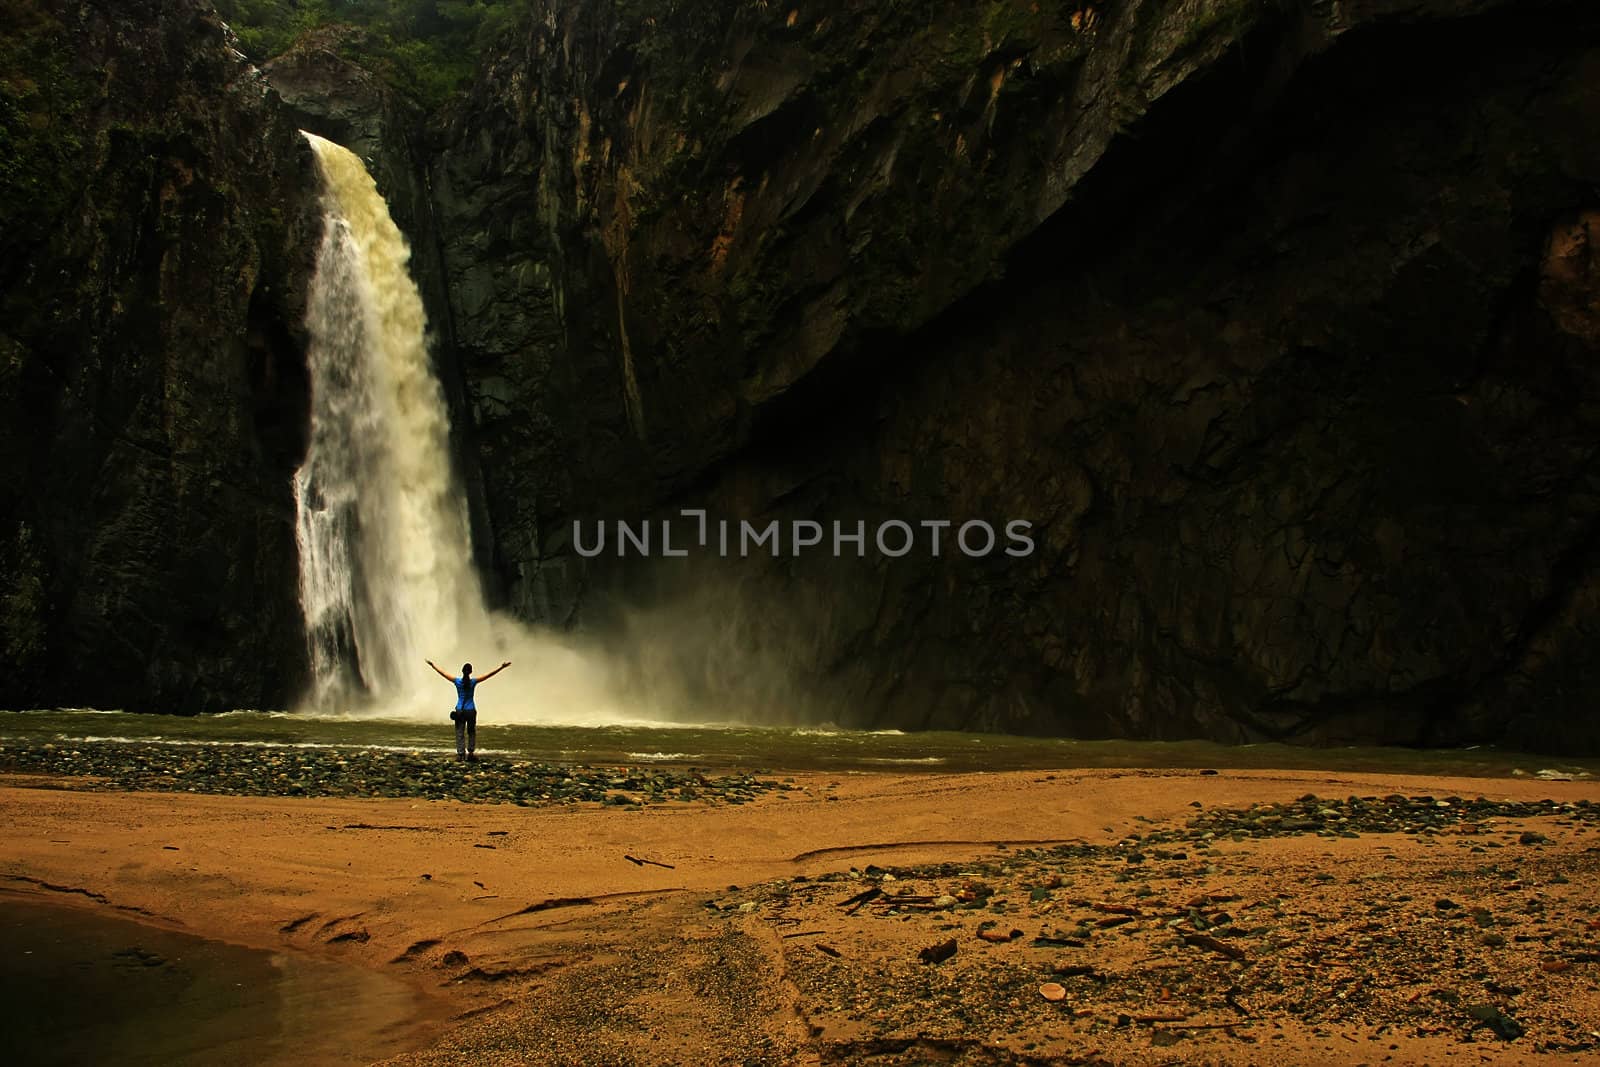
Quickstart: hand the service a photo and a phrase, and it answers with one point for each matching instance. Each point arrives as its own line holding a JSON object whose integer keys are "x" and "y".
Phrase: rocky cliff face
{"x": 1277, "y": 320}
{"x": 159, "y": 216}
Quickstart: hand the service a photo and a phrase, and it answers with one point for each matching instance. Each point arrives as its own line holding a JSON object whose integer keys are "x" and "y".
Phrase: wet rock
{"x": 355, "y": 772}
{"x": 1502, "y": 1024}
{"x": 138, "y": 957}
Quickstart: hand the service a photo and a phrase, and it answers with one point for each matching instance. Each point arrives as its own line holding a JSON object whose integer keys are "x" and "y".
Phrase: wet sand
{"x": 537, "y": 940}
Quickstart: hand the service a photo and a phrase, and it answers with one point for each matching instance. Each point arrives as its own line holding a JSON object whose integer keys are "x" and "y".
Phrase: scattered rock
{"x": 1498, "y": 1021}
{"x": 358, "y": 772}
{"x": 1222, "y": 948}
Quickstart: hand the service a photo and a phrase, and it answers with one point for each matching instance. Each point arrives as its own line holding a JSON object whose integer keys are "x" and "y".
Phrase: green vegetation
{"x": 428, "y": 48}
{"x": 41, "y": 98}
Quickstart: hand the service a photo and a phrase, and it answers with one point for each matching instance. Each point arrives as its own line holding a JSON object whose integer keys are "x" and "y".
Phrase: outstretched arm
{"x": 494, "y": 672}
{"x": 443, "y": 675}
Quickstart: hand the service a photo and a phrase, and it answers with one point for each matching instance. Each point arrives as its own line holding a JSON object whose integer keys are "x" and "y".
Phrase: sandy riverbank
{"x": 540, "y": 942}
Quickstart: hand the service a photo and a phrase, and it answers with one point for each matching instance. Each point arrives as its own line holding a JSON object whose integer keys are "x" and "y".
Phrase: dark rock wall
{"x": 1279, "y": 321}
{"x": 153, "y": 260}
{"x": 1313, "y": 453}
{"x": 1276, "y": 319}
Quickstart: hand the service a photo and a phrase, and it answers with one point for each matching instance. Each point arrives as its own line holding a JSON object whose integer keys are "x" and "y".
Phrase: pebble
{"x": 1498, "y": 1021}
{"x": 1288, "y": 953}
{"x": 358, "y": 772}
{"x": 1354, "y": 816}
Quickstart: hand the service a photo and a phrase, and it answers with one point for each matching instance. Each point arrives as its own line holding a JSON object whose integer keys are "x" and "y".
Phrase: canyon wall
{"x": 159, "y": 219}
{"x": 1278, "y": 321}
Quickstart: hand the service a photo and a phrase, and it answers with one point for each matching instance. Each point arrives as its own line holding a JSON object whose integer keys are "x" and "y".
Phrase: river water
{"x": 717, "y": 745}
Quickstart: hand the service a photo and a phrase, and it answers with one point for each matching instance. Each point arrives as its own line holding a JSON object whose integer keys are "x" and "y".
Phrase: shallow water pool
{"x": 83, "y": 987}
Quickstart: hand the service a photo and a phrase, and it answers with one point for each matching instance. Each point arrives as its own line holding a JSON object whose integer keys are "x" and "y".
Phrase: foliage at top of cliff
{"x": 41, "y": 96}
{"x": 427, "y": 48}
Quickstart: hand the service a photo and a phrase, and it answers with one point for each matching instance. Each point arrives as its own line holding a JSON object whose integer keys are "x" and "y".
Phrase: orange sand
{"x": 505, "y": 885}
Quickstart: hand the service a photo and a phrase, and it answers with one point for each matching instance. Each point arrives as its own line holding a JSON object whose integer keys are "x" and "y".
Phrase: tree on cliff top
{"x": 425, "y": 47}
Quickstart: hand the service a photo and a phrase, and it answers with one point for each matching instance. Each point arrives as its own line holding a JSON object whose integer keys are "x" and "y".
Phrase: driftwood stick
{"x": 855, "y": 903}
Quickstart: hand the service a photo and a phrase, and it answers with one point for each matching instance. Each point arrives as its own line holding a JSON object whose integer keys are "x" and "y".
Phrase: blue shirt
{"x": 464, "y": 688}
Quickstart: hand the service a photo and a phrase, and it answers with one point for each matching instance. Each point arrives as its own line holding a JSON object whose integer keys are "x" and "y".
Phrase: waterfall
{"x": 386, "y": 571}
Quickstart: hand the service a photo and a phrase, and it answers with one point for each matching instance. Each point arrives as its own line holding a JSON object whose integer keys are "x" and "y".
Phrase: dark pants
{"x": 466, "y": 733}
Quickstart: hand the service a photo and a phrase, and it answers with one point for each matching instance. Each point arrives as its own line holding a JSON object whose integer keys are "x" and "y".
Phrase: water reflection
{"x": 82, "y": 987}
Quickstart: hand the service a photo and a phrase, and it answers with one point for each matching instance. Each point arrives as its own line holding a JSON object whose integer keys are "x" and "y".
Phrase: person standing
{"x": 466, "y": 712}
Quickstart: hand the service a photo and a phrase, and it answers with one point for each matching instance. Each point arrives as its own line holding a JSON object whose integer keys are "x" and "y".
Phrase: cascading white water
{"x": 386, "y": 574}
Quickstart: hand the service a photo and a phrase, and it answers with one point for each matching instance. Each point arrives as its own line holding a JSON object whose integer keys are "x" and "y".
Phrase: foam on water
{"x": 387, "y": 579}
